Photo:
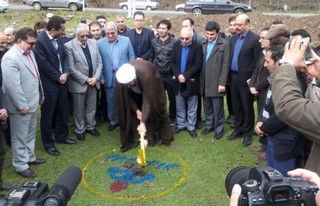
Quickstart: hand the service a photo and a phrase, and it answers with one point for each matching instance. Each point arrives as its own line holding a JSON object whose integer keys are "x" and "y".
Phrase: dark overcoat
{"x": 215, "y": 70}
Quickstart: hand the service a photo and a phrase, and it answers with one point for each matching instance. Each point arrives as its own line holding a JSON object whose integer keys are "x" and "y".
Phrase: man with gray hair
{"x": 85, "y": 69}
{"x": 115, "y": 50}
{"x": 186, "y": 63}
{"x": 10, "y": 32}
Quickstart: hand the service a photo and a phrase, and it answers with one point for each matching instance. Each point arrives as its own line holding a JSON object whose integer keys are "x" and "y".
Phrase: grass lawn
{"x": 190, "y": 172}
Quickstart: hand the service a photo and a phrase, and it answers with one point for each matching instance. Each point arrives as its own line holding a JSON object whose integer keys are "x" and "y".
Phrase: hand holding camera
{"x": 298, "y": 52}
{"x": 266, "y": 186}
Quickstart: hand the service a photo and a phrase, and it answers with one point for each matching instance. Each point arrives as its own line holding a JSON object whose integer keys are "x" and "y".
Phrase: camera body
{"x": 267, "y": 186}
{"x": 27, "y": 195}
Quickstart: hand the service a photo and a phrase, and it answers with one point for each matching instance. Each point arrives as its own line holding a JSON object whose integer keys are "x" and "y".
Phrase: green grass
{"x": 202, "y": 170}
{"x": 207, "y": 165}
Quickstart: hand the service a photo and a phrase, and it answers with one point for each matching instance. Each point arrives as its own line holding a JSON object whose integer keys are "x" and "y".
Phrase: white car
{"x": 4, "y": 5}
{"x": 179, "y": 7}
{"x": 141, "y": 4}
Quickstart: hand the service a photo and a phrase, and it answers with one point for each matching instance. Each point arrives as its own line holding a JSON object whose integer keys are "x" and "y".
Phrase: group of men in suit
{"x": 235, "y": 58}
{"x": 82, "y": 65}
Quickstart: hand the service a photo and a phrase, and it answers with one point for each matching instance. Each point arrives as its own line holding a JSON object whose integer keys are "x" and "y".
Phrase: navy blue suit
{"x": 145, "y": 43}
{"x": 54, "y": 110}
{"x": 242, "y": 100}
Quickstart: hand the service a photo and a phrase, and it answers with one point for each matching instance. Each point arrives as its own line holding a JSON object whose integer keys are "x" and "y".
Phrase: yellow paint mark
{"x": 142, "y": 197}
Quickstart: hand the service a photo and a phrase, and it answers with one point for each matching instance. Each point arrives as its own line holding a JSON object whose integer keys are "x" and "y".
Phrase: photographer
{"x": 303, "y": 173}
{"x": 292, "y": 108}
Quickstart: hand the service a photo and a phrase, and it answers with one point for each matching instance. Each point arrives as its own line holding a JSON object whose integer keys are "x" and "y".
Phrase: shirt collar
{"x": 213, "y": 42}
{"x": 244, "y": 35}
{"x": 50, "y": 37}
{"x": 82, "y": 45}
{"x": 21, "y": 50}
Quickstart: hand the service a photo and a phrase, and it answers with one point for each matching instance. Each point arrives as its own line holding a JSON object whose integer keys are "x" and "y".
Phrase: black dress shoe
{"x": 52, "y": 151}
{"x": 27, "y": 173}
{"x": 129, "y": 147}
{"x": 112, "y": 127}
{"x": 218, "y": 136}
{"x": 68, "y": 141}
{"x": 37, "y": 162}
{"x": 4, "y": 186}
{"x": 193, "y": 133}
{"x": 81, "y": 137}
{"x": 207, "y": 131}
{"x": 234, "y": 136}
{"x": 246, "y": 141}
{"x": 177, "y": 130}
{"x": 93, "y": 132}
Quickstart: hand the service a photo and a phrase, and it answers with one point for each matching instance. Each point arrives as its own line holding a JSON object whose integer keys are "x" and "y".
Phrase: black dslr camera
{"x": 39, "y": 194}
{"x": 266, "y": 186}
{"x": 26, "y": 195}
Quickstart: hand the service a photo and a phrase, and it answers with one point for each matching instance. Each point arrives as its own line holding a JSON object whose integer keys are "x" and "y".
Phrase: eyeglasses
{"x": 31, "y": 43}
{"x": 185, "y": 38}
{"x": 110, "y": 33}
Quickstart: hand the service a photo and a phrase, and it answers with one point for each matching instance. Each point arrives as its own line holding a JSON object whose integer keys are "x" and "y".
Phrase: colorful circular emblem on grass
{"x": 117, "y": 176}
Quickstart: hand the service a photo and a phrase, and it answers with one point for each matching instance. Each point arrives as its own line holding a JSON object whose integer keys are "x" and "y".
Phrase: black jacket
{"x": 146, "y": 36}
{"x": 193, "y": 67}
{"x": 160, "y": 55}
{"x": 288, "y": 142}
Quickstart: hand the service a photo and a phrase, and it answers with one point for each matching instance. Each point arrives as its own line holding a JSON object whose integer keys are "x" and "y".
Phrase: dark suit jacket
{"x": 287, "y": 141}
{"x": 248, "y": 57}
{"x": 193, "y": 67}
{"x": 2, "y": 103}
{"x": 48, "y": 61}
{"x": 147, "y": 36}
{"x": 259, "y": 78}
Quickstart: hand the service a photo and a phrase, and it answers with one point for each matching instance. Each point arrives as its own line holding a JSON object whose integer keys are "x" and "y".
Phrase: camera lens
{"x": 237, "y": 175}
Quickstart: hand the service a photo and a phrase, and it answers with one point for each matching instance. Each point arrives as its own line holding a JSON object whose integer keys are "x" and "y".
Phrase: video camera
{"x": 266, "y": 186}
{"x": 38, "y": 194}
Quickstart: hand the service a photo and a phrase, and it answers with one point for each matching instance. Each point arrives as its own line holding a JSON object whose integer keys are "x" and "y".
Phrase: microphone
{"x": 63, "y": 188}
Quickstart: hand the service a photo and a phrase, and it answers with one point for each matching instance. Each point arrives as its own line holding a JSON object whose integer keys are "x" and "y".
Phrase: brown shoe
{"x": 261, "y": 157}
{"x": 258, "y": 149}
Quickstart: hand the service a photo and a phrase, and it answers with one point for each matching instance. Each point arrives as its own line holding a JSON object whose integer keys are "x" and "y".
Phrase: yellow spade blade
{"x": 141, "y": 153}
{"x": 142, "y": 157}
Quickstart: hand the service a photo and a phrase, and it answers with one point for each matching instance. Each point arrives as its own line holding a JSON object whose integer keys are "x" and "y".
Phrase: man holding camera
{"x": 292, "y": 108}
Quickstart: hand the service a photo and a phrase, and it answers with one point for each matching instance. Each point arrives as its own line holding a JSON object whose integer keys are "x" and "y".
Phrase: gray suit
{"x": 22, "y": 88}
{"x": 84, "y": 96}
{"x": 214, "y": 72}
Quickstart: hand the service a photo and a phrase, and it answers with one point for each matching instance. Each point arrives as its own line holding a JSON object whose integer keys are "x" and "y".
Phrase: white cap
{"x": 126, "y": 73}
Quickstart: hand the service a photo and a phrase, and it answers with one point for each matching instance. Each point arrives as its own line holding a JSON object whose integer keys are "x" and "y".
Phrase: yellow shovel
{"x": 142, "y": 153}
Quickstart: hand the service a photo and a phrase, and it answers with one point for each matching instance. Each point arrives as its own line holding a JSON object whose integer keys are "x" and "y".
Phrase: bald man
{"x": 186, "y": 62}
{"x": 245, "y": 52}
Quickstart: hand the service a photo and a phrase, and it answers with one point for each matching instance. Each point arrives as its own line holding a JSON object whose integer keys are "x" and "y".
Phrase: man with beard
{"x": 141, "y": 104}
{"x": 121, "y": 25}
